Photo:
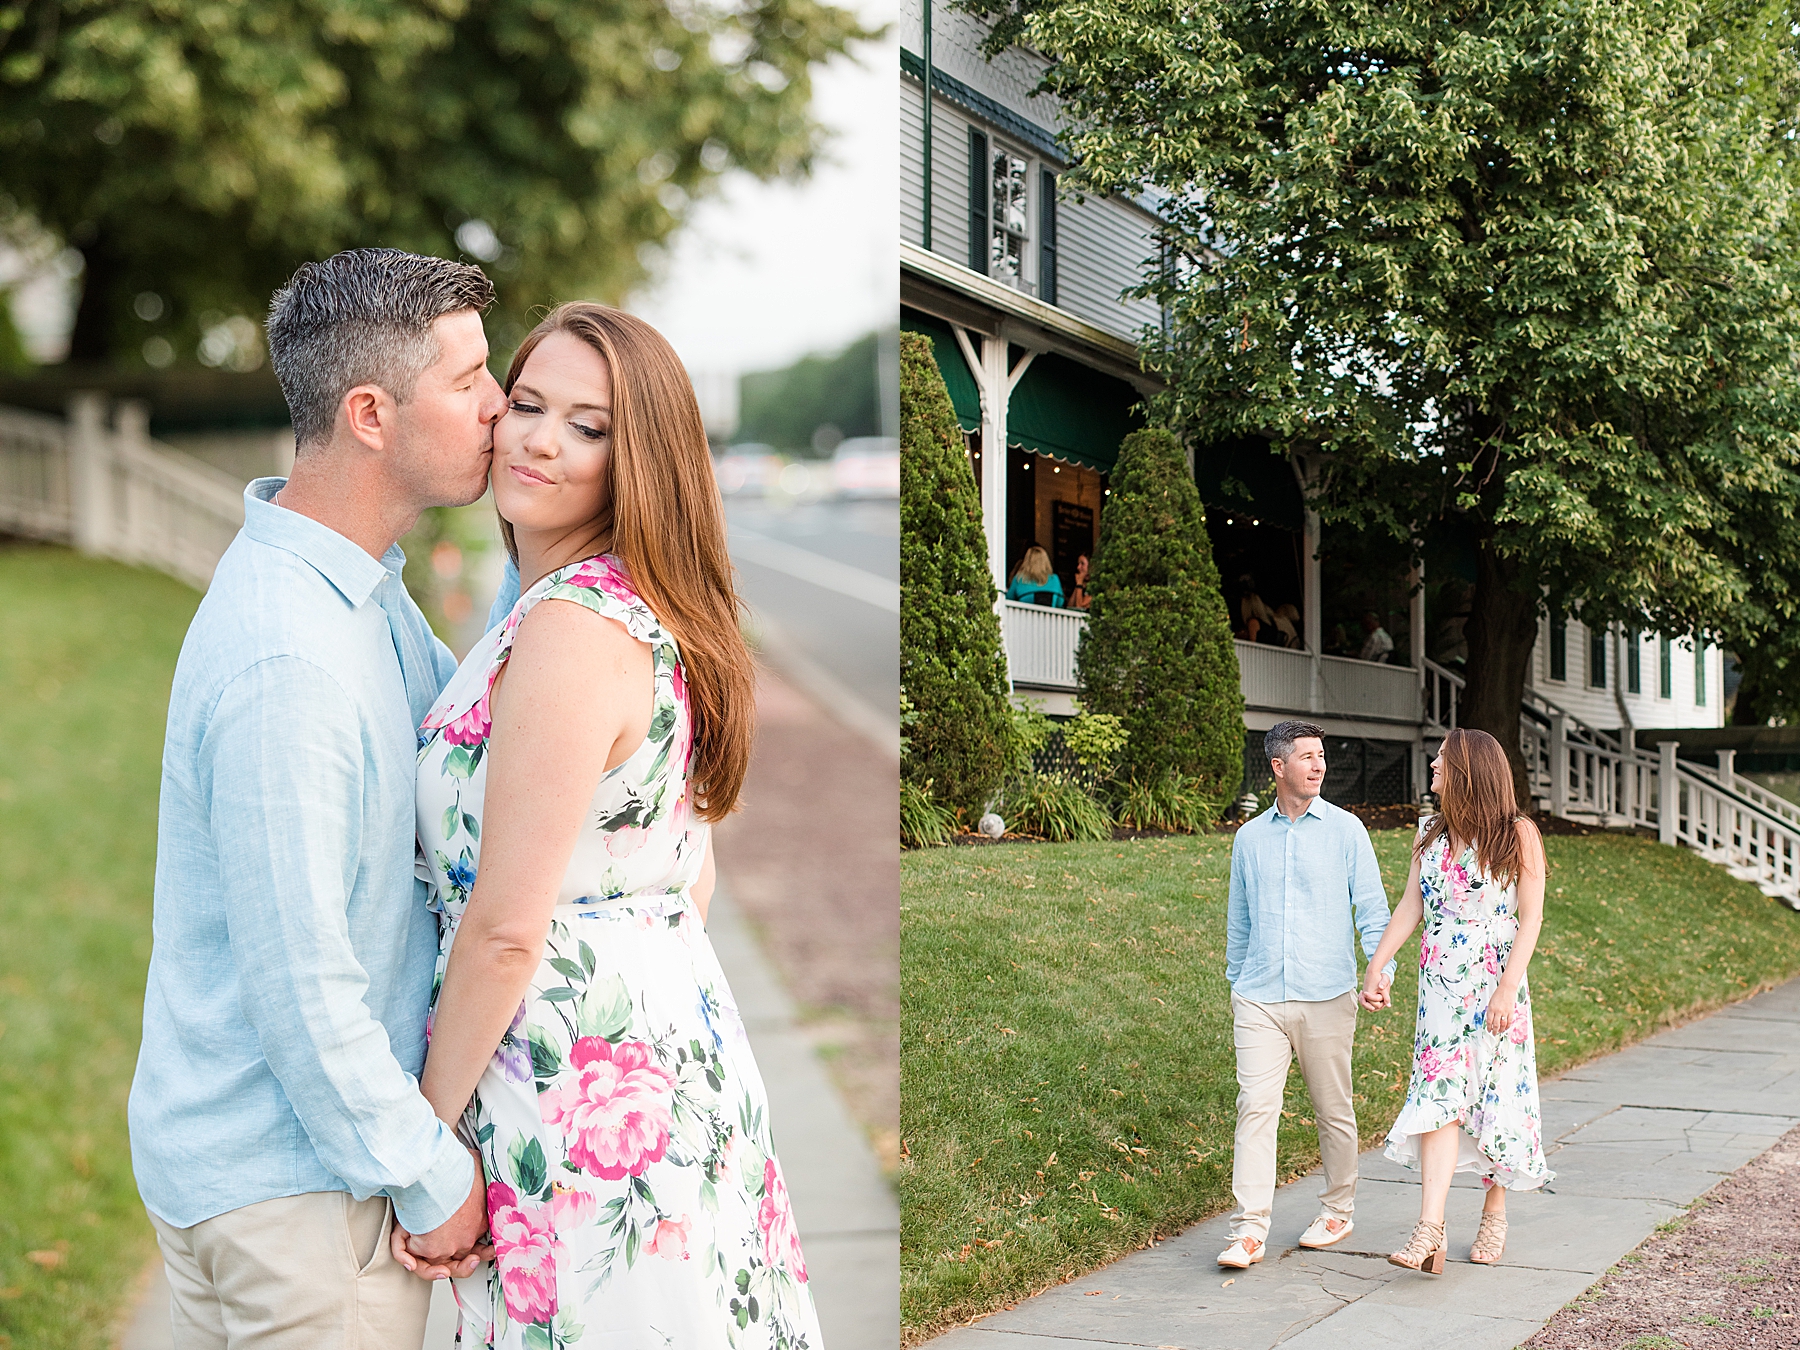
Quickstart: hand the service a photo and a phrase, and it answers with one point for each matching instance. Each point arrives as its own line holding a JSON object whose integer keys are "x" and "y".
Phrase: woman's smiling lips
{"x": 525, "y": 475}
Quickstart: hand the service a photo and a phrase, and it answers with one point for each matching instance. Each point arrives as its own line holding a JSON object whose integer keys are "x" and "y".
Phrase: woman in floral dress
{"x": 582, "y": 1032}
{"x": 1478, "y": 883}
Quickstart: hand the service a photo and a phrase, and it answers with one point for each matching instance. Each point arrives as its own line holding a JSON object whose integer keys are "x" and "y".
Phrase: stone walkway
{"x": 1634, "y": 1138}
{"x": 848, "y": 1218}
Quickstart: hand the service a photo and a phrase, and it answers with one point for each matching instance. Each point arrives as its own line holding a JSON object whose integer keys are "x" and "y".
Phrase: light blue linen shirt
{"x": 1296, "y": 888}
{"x": 284, "y": 1019}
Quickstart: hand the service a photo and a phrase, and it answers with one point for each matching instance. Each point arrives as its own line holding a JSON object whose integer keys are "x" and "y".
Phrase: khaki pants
{"x": 304, "y": 1272}
{"x": 1268, "y": 1036}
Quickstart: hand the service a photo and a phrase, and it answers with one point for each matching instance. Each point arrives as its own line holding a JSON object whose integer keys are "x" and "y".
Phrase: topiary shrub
{"x": 1158, "y": 653}
{"x": 952, "y": 667}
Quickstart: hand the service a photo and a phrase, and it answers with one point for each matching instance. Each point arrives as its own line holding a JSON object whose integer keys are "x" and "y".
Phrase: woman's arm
{"x": 1531, "y": 922}
{"x": 573, "y": 700}
{"x": 1406, "y": 918}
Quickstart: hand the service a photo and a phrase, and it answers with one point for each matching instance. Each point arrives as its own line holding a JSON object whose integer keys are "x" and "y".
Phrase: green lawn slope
{"x": 1067, "y": 1080}
{"x": 85, "y": 668}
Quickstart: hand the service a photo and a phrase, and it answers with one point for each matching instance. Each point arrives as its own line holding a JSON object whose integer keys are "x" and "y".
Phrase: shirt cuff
{"x": 430, "y": 1201}
{"x": 1389, "y": 968}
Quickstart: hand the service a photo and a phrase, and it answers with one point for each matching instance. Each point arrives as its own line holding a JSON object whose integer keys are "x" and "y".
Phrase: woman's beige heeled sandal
{"x": 1424, "y": 1250}
{"x": 1490, "y": 1240}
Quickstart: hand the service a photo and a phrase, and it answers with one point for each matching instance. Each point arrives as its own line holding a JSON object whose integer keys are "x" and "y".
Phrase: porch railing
{"x": 1041, "y": 644}
{"x": 111, "y": 491}
{"x": 1274, "y": 677}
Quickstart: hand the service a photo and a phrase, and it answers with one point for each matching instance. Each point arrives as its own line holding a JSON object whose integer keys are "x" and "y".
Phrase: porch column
{"x": 1312, "y": 620}
{"x": 987, "y": 363}
{"x": 1727, "y": 769}
{"x": 1668, "y": 792}
{"x": 1559, "y": 764}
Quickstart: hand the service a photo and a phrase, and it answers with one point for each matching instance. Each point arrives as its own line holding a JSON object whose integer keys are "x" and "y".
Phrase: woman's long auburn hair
{"x": 666, "y": 524}
{"x": 1478, "y": 805}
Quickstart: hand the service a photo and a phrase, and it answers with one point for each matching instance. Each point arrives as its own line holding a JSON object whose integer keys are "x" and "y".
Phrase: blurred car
{"x": 748, "y": 470}
{"x": 866, "y": 466}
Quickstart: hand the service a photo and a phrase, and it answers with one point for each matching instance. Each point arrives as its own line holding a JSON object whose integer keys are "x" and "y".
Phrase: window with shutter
{"x": 1047, "y": 237}
{"x": 1597, "y": 658}
{"x": 1665, "y": 675}
{"x": 979, "y": 192}
{"x": 1559, "y": 647}
{"x": 1634, "y": 668}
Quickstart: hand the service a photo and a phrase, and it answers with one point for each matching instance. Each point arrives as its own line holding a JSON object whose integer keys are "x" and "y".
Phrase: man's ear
{"x": 369, "y": 411}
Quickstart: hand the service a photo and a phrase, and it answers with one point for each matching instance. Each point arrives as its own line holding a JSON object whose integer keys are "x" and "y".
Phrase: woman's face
{"x": 1437, "y": 774}
{"x": 553, "y": 448}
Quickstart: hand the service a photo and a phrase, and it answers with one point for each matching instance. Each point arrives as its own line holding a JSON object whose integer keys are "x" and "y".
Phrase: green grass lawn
{"x": 1067, "y": 1079}
{"x": 85, "y": 668}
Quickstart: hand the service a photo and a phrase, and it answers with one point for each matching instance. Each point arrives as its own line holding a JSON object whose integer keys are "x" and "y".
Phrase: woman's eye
{"x": 520, "y": 406}
{"x": 592, "y": 433}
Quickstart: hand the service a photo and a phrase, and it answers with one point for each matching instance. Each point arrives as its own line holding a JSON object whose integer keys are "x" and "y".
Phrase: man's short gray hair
{"x": 1278, "y": 740}
{"x": 363, "y": 316}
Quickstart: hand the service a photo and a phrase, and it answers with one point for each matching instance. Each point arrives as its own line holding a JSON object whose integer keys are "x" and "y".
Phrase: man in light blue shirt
{"x": 277, "y": 1127}
{"x": 1304, "y": 880}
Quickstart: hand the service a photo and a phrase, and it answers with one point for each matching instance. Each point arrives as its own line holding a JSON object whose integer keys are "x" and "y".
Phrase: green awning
{"x": 1060, "y": 407}
{"x": 1245, "y": 474}
{"x": 964, "y": 396}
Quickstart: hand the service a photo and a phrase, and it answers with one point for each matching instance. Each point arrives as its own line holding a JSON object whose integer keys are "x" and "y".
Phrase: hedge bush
{"x": 952, "y": 666}
{"x": 1158, "y": 651}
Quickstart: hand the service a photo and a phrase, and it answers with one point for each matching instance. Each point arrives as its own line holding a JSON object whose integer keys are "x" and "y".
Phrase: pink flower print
{"x": 472, "y": 727}
{"x": 1430, "y": 1063}
{"x": 526, "y": 1250}
{"x": 615, "y": 1115}
{"x": 775, "y": 1216}
{"x": 569, "y": 1208}
{"x": 1428, "y": 955}
{"x": 625, "y": 841}
{"x": 670, "y": 1239}
{"x": 679, "y": 680}
{"x": 1520, "y": 1027}
{"x": 1490, "y": 959}
{"x": 1471, "y": 998}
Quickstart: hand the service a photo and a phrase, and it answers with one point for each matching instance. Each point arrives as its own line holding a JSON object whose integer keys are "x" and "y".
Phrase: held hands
{"x": 1375, "y": 996}
{"x": 456, "y": 1247}
{"x": 1501, "y": 1010}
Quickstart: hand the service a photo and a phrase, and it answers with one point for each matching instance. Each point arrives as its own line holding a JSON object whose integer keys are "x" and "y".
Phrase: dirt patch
{"x": 1725, "y": 1275}
{"x": 813, "y": 859}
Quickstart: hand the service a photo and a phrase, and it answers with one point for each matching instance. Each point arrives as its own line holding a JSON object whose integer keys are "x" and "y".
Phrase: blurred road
{"x": 824, "y": 581}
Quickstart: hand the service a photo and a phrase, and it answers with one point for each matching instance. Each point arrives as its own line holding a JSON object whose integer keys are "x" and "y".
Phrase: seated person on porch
{"x": 1033, "y": 577}
{"x": 1079, "y": 597}
{"x": 1287, "y": 623}
{"x": 1258, "y": 623}
{"x": 1377, "y": 645}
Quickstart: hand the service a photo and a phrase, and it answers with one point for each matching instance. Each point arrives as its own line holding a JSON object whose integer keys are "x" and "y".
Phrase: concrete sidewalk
{"x": 1633, "y": 1137}
{"x": 848, "y": 1218}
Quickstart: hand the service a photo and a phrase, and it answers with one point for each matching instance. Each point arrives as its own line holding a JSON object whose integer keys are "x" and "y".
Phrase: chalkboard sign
{"x": 1071, "y": 535}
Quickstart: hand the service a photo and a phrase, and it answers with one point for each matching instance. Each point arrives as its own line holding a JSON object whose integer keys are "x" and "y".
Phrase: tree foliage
{"x": 952, "y": 667}
{"x": 1158, "y": 653}
{"x": 198, "y": 150}
{"x": 783, "y": 408}
{"x": 1521, "y": 270}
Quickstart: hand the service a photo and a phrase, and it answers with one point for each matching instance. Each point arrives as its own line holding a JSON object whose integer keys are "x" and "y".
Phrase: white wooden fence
{"x": 107, "y": 489}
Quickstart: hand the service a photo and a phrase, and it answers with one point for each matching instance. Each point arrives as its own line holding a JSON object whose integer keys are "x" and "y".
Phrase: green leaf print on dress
{"x": 634, "y": 1190}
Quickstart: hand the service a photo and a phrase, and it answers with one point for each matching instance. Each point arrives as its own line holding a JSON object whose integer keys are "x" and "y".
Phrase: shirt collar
{"x": 346, "y": 565}
{"x": 1316, "y": 807}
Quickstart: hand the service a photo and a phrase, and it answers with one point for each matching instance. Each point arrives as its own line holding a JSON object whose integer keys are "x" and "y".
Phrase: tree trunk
{"x": 97, "y": 316}
{"x": 1501, "y": 631}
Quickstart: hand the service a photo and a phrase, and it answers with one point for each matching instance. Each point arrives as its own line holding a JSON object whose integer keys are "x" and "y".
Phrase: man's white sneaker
{"x": 1320, "y": 1233}
{"x": 1243, "y": 1252}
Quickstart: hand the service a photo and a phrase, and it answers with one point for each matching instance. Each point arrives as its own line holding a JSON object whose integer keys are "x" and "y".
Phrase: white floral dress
{"x": 1460, "y": 1070}
{"x": 634, "y": 1195}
